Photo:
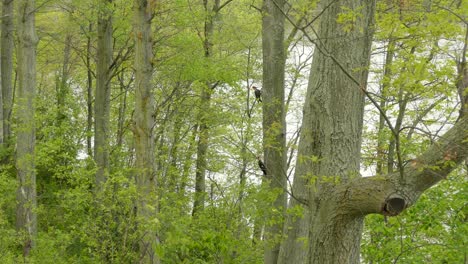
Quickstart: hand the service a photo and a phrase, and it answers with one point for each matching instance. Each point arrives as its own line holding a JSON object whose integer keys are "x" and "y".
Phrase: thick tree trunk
{"x": 274, "y": 125}
{"x": 146, "y": 180}
{"x": 102, "y": 95}
{"x": 7, "y": 66}
{"x": 329, "y": 149}
{"x": 26, "y": 215}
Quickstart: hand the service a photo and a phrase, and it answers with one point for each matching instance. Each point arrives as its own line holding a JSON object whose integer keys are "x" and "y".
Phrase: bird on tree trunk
{"x": 262, "y": 166}
{"x": 258, "y": 93}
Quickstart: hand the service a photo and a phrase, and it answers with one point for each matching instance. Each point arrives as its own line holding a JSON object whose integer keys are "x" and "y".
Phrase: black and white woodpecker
{"x": 262, "y": 166}
{"x": 258, "y": 93}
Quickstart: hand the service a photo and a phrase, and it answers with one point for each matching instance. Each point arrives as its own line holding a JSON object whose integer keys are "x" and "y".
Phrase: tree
{"x": 6, "y": 58}
{"x": 327, "y": 171}
{"x": 211, "y": 14}
{"x": 146, "y": 180}
{"x": 102, "y": 94}
{"x": 274, "y": 125}
{"x": 26, "y": 215}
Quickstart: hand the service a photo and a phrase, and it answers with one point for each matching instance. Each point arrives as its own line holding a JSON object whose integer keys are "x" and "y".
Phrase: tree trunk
{"x": 102, "y": 96}
{"x": 274, "y": 125}
{"x": 89, "y": 95}
{"x": 122, "y": 110}
{"x": 202, "y": 148}
{"x": 62, "y": 85}
{"x": 146, "y": 180}
{"x": 26, "y": 216}
{"x": 205, "y": 104}
{"x": 329, "y": 149}
{"x": 7, "y": 47}
{"x": 384, "y": 89}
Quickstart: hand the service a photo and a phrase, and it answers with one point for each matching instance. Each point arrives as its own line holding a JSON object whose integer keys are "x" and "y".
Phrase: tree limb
{"x": 390, "y": 195}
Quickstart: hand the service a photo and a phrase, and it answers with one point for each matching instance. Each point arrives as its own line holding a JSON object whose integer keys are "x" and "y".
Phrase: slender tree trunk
{"x": 26, "y": 216}
{"x": 7, "y": 47}
{"x": 188, "y": 162}
{"x": 89, "y": 94}
{"x": 392, "y": 147}
{"x": 146, "y": 180}
{"x": 122, "y": 109}
{"x": 62, "y": 86}
{"x": 329, "y": 149}
{"x": 102, "y": 95}
{"x": 2, "y": 117}
{"x": 385, "y": 86}
{"x": 274, "y": 125}
{"x": 205, "y": 105}
{"x": 202, "y": 149}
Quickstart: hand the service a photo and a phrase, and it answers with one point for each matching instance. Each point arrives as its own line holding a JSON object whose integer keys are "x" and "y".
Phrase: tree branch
{"x": 389, "y": 195}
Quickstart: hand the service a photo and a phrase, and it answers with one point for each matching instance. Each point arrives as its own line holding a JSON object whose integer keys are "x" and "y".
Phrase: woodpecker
{"x": 258, "y": 93}
{"x": 262, "y": 166}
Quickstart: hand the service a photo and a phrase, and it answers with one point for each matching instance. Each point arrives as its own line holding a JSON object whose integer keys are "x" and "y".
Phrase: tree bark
{"x": 329, "y": 149}
{"x": 26, "y": 216}
{"x": 7, "y": 47}
{"x": 274, "y": 125}
{"x": 146, "y": 180}
{"x": 102, "y": 93}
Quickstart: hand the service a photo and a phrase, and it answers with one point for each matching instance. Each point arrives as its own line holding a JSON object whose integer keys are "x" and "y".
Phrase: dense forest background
{"x": 130, "y": 132}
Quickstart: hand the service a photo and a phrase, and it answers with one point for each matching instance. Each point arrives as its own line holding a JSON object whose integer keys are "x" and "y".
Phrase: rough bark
{"x": 274, "y": 125}
{"x": 26, "y": 216}
{"x": 146, "y": 180}
{"x": 102, "y": 93}
{"x": 329, "y": 149}
{"x": 7, "y": 65}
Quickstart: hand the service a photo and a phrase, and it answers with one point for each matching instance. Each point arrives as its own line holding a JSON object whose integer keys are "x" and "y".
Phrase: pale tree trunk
{"x": 146, "y": 180}
{"x": 26, "y": 216}
{"x": 102, "y": 94}
{"x": 7, "y": 66}
{"x": 274, "y": 125}
{"x": 329, "y": 149}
